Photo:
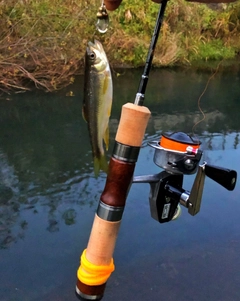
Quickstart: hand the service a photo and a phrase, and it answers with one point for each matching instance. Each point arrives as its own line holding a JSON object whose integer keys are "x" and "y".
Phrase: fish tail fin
{"x": 100, "y": 164}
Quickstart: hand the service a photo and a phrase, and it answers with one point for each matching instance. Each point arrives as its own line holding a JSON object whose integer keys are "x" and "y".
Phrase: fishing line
{"x": 201, "y": 95}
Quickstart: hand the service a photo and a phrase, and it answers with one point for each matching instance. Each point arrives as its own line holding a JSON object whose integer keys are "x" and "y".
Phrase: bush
{"x": 43, "y": 42}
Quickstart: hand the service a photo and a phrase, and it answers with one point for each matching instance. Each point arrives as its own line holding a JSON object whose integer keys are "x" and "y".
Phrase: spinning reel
{"x": 179, "y": 154}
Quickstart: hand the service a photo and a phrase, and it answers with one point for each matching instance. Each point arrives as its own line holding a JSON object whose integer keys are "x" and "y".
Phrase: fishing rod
{"x": 144, "y": 80}
{"x": 96, "y": 264}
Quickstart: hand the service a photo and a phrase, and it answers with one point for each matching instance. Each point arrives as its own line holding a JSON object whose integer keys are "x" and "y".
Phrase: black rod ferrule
{"x": 125, "y": 153}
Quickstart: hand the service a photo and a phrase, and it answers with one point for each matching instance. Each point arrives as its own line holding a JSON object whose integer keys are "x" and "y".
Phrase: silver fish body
{"x": 97, "y": 102}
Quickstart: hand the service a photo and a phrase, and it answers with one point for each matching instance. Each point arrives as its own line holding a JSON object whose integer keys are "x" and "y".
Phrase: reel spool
{"x": 177, "y": 153}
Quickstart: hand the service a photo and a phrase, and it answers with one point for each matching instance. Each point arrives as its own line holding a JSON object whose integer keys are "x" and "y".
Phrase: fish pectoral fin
{"x": 106, "y": 81}
{"x": 106, "y": 138}
{"x": 105, "y": 84}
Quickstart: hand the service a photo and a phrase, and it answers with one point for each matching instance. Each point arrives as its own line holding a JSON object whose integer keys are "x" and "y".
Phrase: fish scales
{"x": 97, "y": 101}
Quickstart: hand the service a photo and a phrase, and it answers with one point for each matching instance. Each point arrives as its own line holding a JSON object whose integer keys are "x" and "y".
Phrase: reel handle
{"x": 223, "y": 176}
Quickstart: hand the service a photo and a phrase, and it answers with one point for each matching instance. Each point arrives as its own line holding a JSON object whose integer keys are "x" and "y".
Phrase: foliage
{"x": 43, "y": 42}
{"x": 213, "y": 50}
{"x": 191, "y": 31}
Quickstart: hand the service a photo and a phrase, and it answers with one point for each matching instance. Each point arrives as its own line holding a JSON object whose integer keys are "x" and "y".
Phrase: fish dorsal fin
{"x": 106, "y": 138}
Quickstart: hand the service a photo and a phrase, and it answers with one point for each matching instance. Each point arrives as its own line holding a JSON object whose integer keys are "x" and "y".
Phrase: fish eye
{"x": 92, "y": 55}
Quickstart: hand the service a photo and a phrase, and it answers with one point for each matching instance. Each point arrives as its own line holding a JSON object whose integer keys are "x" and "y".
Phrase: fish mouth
{"x": 96, "y": 45}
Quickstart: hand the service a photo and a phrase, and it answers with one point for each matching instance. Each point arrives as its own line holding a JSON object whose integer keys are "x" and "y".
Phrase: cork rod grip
{"x": 102, "y": 241}
{"x": 132, "y": 124}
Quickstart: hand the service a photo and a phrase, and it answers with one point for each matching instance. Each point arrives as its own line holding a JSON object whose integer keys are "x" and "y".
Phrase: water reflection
{"x": 45, "y": 157}
{"x": 46, "y": 171}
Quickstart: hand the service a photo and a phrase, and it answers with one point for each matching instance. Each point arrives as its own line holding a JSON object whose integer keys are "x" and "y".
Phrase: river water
{"x": 48, "y": 194}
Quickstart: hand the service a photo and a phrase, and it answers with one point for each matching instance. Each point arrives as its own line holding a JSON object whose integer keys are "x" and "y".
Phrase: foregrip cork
{"x": 96, "y": 261}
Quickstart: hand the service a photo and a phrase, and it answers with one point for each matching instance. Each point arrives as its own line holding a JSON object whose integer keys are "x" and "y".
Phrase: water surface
{"x": 49, "y": 194}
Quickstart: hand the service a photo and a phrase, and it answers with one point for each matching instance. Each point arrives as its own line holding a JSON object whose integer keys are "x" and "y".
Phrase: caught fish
{"x": 97, "y": 102}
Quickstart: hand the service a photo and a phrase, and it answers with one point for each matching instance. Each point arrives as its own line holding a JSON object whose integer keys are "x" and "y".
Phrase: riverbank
{"x": 43, "y": 42}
